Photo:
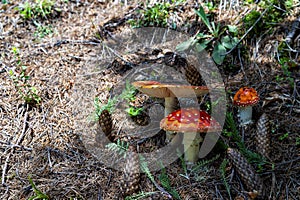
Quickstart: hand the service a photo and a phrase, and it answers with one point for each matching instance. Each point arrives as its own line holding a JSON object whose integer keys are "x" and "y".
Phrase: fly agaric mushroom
{"x": 245, "y": 99}
{"x": 191, "y": 122}
{"x": 169, "y": 92}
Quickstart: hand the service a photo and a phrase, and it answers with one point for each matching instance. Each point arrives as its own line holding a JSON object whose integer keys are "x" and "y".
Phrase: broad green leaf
{"x": 218, "y": 54}
{"x": 202, "y": 36}
{"x": 235, "y": 40}
{"x": 232, "y": 29}
{"x": 200, "y": 47}
{"x": 186, "y": 44}
{"x": 228, "y": 42}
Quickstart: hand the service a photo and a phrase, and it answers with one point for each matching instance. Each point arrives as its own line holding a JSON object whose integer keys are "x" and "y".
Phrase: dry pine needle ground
{"x": 40, "y": 141}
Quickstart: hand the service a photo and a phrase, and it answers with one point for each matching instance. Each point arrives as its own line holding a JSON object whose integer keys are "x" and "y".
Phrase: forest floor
{"x": 42, "y": 63}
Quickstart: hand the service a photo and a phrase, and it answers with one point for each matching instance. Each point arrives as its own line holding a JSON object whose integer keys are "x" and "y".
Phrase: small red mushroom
{"x": 191, "y": 122}
{"x": 245, "y": 99}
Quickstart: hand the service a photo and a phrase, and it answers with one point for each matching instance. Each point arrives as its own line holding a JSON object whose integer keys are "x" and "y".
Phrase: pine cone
{"x": 246, "y": 172}
{"x": 131, "y": 179}
{"x": 105, "y": 122}
{"x": 193, "y": 76}
{"x": 263, "y": 135}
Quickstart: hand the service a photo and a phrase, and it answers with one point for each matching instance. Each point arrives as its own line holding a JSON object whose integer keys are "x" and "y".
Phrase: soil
{"x": 50, "y": 141}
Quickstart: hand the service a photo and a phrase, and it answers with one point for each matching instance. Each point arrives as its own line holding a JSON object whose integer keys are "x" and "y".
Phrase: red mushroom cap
{"x": 245, "y": 96}
{"x": 190, "y": 120}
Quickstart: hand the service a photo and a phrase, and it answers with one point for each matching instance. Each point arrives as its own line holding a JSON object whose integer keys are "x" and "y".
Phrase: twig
{"x": 291, "y": 49}
{"x": 218, "y": 193}
{"x": 109, "y": 178}
{"x": 242, "y": 66}
{"x": 287, "y": 162}
{"x": 60, "y": 42}
{"x": 16, "y": 146}
{"x": 49, "y": 158}
{"x": 23, "y": 130}
{"x": 99, "y": 194}
{"x": 162, "y": 190}
{"x": 12, "y": 149}
{"x": 4, "y": 169}
{"x": 6, "y": 191}
{"x": 272, "y": 191}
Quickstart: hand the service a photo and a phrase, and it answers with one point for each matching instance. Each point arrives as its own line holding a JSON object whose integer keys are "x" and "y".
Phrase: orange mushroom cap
{"x": 161, "y": 90}
{"x": 189, "y": 120}
{"x": 246, "y": 96}
{"x": 145, "y": 83}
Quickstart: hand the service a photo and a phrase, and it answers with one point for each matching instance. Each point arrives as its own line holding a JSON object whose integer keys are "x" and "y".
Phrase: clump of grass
{"x": 42, "y": 31}
{"x": 276, "y": 11}
{"x": 156, "y": 15}
{"x": 38, "y": 9}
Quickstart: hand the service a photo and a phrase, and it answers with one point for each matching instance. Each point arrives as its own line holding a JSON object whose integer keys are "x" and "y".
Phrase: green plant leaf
{"x": 219, "y": 53}
{"x": 140, "y": 195}
{"x": 121, "y": 147}
{"x": 226, "y": 42}
{"x": 203, "y": 17}
{"x": 200, "y": 47}
{"x": 165, "y": 182}
{"x": 215, "y": 29}
{"x": 38, "y": 193}
{"x": 134, "y": 111}
{"x": 186, "y": 44}
{"x": 202, "y": 36}
{"x": 232, "y": 29}
{"x": 11, "y": 72}
{"x": 222, "y": 170}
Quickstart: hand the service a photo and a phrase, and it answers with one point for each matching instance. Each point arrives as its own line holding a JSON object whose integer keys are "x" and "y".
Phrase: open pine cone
{"x": 263, "y": 136}
{"x": 105, "y": 122}
{"x": 246, "y": 172}
{"x": 193, "y": 76}
{"x": 130, "y": 183}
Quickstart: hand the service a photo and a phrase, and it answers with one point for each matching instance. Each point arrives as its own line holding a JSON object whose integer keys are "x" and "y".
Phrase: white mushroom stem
{"x": 245, "y": 115}
{"x": 191, "y": 145}
{"x": 170, "y": 104}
